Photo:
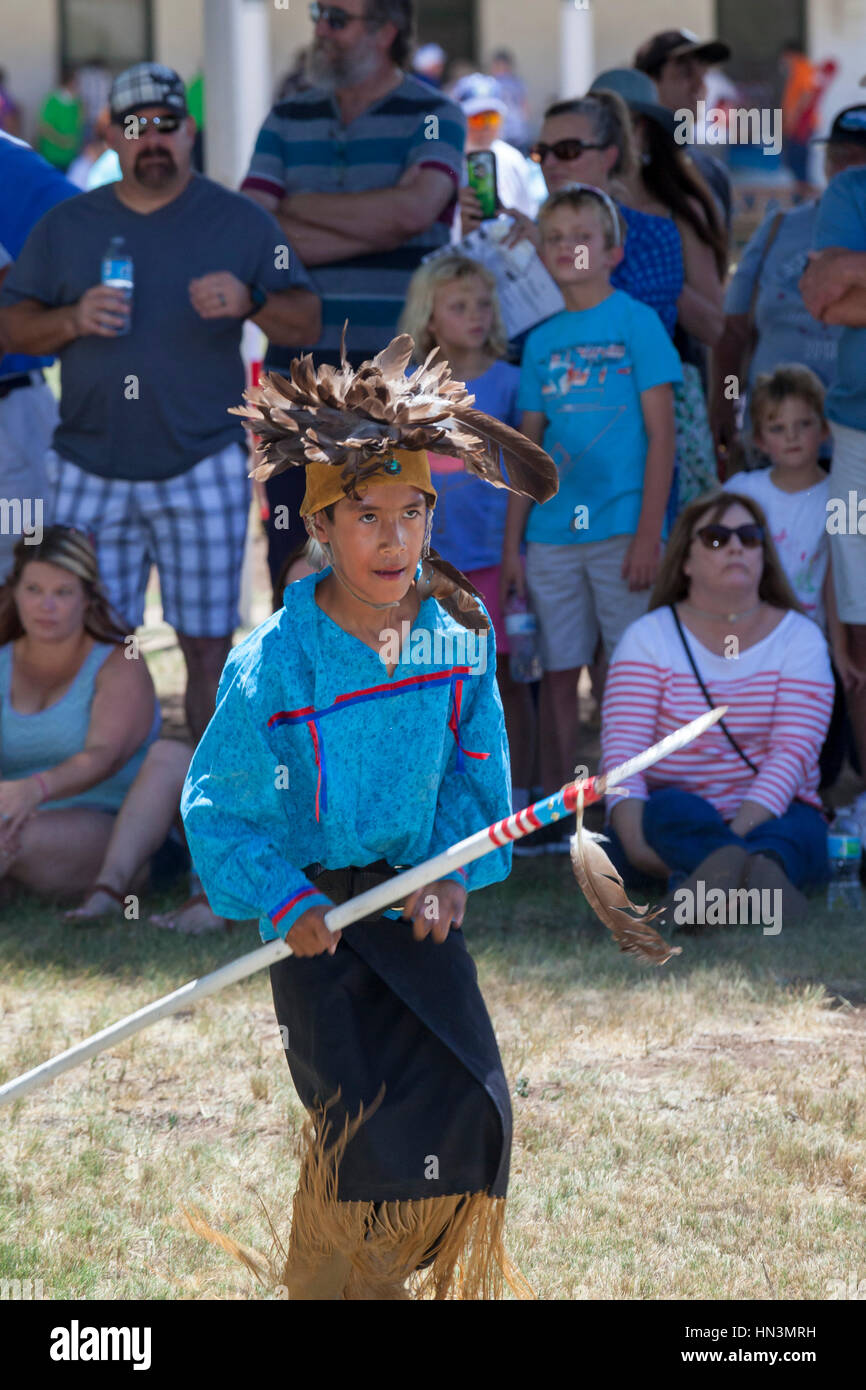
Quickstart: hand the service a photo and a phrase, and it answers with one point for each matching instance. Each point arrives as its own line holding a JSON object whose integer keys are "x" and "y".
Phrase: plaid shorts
{"x": 192, "y": 527}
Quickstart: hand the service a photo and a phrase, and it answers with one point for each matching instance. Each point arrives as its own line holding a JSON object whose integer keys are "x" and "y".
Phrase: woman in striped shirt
{"x": 737, "y": 808}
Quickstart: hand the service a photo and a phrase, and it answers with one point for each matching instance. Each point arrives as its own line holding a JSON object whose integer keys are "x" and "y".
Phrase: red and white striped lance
{"x": 564, "y": 803}
{"x": 395, "y": 890}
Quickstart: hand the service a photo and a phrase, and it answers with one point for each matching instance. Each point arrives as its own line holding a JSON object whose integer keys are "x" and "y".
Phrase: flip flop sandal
{"x": 94, "y": 918}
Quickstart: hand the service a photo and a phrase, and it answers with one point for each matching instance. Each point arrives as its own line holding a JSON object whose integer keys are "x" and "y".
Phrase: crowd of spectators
{"x": 651, "y": 387}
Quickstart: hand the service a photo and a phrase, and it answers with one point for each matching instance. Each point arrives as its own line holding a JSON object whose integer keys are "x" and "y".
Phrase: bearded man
{"x": 361, "y": 171}
{"x": 146, "y": 458}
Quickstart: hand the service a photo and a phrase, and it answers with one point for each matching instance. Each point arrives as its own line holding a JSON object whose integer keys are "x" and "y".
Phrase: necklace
{"x": 728, "y": 617}
{"x": 366, "y": 636}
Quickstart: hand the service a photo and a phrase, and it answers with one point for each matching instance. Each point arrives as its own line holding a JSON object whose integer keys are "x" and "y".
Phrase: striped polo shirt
{"x": 303, "y": 147}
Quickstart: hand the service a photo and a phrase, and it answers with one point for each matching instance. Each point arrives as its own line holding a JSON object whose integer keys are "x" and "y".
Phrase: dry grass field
{"x": 685, "y": 1133}
{"x": 691, "y": 1132}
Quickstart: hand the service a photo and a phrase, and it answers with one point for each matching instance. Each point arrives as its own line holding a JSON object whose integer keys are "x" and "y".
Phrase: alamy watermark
{"x": 846, "y": 517}
{"x": 16, "y": 1290}
{"x": 850, "y": 1288}
{"x": 717, "y": 907}
{"x": 735, "y": 125}
{"x": 22, "y": 517}
{"x": 77, "y": 1343}
{"x": 423, "y": 648}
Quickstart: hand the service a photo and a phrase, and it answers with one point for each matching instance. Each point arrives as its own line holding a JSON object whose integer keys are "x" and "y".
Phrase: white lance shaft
{"x": 394, "y": 890}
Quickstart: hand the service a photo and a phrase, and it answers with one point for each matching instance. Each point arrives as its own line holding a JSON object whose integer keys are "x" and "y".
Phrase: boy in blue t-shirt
{"x": 596, "y": 392}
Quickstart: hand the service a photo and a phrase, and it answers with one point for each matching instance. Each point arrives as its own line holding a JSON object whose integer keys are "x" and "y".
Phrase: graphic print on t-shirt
{"x": 583, "y": 365}
{"x": 577, "y": 380}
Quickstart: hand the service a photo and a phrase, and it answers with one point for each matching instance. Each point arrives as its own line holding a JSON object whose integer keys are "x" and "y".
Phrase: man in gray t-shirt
{"x": 146, "y": 457}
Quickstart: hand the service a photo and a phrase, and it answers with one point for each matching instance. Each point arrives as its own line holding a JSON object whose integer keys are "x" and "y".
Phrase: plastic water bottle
{"x": 843, "y": 851}
{"x": 522, "y": 629}
{"x": 117, "y": 274}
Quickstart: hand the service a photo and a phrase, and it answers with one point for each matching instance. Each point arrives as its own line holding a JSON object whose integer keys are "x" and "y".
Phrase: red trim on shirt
{"x": 262, "y": 185}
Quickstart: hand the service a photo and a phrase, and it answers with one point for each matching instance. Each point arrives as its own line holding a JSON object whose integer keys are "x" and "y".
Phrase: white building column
{"x": 237, "y": 72}
{"x": 576, "y": 48}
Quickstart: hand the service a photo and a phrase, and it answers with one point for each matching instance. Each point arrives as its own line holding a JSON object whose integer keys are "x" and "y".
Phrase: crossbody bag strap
{"x": 722, "y": 725}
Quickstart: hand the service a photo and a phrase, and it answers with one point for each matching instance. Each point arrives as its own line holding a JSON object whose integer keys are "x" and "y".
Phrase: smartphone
{"x": 481, "y": 166}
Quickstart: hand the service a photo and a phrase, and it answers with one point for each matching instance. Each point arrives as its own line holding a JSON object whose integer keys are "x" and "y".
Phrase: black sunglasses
{"x": 563, "y": 149}
{"x": 166, "y": 125}
{"x": 716, "y": 536}
{"x": 334, "y": 17}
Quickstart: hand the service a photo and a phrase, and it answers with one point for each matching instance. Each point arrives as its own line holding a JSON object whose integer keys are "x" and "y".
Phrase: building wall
{"x": 837, "y": 29}
{"x": 622, "y": 26}
{"x": 29, "y": 53}
{"x": 291, "y": 29}
{"x": 530, "y": 28}
{"x": 177, "y": 35}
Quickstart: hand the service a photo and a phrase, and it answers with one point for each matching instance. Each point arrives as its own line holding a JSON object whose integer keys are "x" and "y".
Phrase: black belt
{"x": 342, "y": 884}
{"x": 8, "y": 384}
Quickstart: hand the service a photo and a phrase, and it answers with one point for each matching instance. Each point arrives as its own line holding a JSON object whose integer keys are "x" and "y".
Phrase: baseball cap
{"x": 146, "y": 84}
{"x": 848, "y": 128}
{"x": 675, "y": 43}
{"x": 477, "y": 92}
{"x": 638, "y": 91}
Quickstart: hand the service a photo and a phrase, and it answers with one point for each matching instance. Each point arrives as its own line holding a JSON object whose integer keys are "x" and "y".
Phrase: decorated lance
{"x": 573, "y": 797}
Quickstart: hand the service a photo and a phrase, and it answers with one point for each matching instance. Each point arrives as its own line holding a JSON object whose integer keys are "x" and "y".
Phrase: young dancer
{"x": 359, "y": 731}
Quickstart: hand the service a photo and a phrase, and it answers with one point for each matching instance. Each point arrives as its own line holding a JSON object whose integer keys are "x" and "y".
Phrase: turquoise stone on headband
{"x": 393, "y": 466}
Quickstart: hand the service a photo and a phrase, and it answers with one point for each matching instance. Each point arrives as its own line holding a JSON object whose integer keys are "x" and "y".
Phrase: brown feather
{"x": 457, "y": 595}
{"x": 531, "y": 471}
{"x": 393, "y": 360}
{"x": 351, "y": 419}
{"x": 605, "y": 892}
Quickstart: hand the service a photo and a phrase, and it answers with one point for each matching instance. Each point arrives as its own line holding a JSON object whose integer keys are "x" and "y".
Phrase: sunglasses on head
{"x": 562, "y": 149}
{"x": 334, "y": 17}
{"x": 716, "y": 536}
{"x": 602, "y": 197}
{"x": 166, "y": 125}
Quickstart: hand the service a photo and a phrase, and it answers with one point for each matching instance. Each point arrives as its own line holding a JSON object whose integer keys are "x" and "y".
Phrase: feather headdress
{"x": 354, "y": 420}
{"x": 354, "y": 423}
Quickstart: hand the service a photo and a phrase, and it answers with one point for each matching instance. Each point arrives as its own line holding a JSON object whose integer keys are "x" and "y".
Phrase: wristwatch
{"x": 258, "y": 295}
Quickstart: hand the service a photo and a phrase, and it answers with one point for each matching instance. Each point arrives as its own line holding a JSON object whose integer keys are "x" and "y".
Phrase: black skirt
{"x": 387, "y": 1009}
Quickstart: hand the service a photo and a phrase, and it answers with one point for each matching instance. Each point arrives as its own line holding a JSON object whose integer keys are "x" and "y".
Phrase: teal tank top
{"x": 34, "y": 742}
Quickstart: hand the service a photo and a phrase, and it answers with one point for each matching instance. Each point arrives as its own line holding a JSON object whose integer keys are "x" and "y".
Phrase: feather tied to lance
{"x": 605, "y": 892}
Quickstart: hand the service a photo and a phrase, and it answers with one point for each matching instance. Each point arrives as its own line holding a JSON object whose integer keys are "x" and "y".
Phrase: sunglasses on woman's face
{"x": 563, "y": 149}
{"x": 334, "y": 17}
{"x": 716, "y": 536}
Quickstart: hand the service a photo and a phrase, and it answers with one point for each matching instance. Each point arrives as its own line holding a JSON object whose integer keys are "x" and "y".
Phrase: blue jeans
{"x": 683, "y": 829}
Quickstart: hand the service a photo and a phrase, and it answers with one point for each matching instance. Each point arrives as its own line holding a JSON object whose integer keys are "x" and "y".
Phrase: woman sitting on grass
{"x": 735, "y": 809}
{"x": 88, "y": 792}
